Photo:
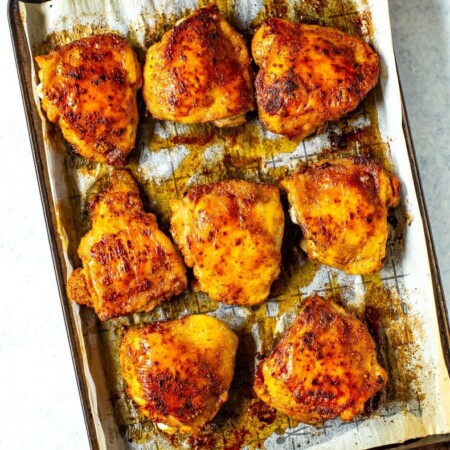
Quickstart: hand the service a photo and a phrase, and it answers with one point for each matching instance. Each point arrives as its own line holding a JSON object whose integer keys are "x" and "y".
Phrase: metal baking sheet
{"x": 107, "y": 425}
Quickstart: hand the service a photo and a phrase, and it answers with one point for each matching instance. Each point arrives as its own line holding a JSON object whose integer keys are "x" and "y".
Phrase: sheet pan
{"x": 100, "y": 418}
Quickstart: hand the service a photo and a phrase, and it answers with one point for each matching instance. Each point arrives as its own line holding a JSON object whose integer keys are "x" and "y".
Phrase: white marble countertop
{"x": 40, "y": 407}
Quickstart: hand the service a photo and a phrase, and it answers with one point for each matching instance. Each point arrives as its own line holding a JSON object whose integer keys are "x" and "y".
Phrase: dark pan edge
{"x": 23, "y": 62}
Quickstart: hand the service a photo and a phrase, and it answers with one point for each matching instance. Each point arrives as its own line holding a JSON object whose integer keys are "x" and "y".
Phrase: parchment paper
{"x": 406, "y": 277}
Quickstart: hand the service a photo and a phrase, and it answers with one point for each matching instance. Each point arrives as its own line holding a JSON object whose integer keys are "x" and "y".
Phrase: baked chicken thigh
{"x": 179, "y": 372}
{"x": 129, "y": 265}
{"x": 199, "y": 72}
{"x": 230, "y": 233}
{"x": 342, "y": 206}
{"x": 89, "y": 87}
{"x": 325, "y": 366}
{"x": 309, "y": 75}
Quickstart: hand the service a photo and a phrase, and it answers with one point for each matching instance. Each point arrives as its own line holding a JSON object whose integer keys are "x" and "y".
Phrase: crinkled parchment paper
{"x": 397, "y": 303}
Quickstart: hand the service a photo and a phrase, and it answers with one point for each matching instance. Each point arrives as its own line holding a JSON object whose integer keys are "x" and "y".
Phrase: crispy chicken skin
{"x": 309, "y": 75}
{"x": 199, "y": 72}
{"x": 230, "y": 233}
{"x": 89, "y": 87}
{"x": 179, "y": 372}
{"x": 129, "y": 265}
{"x": 325, "y": 366}
{"x": 342, "y": 206}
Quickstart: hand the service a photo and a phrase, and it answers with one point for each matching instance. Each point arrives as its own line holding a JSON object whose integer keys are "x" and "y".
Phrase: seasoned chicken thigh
{"x": 325, "y": 366}
{"x": 179, "y": 372}
{"x": 89, "y": 87}
{"x": 129, "y": 265}
{"x": 199, "y": 72}
{"x": 230, "y": 233}
{"x": 342, "y": 206}
{"x": 309, "y": 75}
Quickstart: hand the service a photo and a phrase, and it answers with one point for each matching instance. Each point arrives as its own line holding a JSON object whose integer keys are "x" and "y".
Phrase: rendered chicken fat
{"x": 89, "y": 87}
{"x": 179, "y": 372}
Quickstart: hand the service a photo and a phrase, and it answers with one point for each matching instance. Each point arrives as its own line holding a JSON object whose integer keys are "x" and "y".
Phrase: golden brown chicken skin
{"x": 325, "y": 366}
{"x": 342, "y": 207}
{"x": 309, "y": 75}
{"x": 89, "y": 87}
{"x": 179, "y": 372}
{"x": 230, "y": 233}
{"x": 199, "y": 72}
{"x": 129, "y": 265}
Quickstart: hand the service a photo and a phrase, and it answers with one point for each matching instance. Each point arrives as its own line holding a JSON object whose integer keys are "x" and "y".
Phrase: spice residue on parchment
{"x": 394, "y": 330}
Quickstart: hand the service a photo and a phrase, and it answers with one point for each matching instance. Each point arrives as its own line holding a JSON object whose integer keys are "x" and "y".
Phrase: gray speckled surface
{"x": 421, "y": 34}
